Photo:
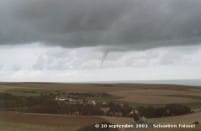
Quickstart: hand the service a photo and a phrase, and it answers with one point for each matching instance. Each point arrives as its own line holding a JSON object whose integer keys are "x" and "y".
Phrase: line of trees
{"x": 48, "y": 104}
{"x": 167, "y": 110}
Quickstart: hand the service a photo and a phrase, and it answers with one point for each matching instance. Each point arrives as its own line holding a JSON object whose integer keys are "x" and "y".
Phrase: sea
{"x": 190, "y": 82}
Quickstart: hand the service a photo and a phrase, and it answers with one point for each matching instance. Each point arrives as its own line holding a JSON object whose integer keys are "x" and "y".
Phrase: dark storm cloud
{"x": 75, "y": 23}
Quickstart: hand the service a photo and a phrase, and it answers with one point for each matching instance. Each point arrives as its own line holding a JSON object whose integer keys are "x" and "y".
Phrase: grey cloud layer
{"x": 75, "y": 23}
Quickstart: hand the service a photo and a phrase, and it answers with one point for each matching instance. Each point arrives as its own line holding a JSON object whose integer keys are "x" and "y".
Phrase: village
{"x": 76, "y": 99}
{"x": 88, "y": 103}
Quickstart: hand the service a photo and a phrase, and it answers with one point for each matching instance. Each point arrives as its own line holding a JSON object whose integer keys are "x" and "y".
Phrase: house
{"x": 105, "y": 109}
{"x": 91, "y": 102}
{"x": 68, "y": 100}
{"x": 60, "y": 98}
{"x": 76, "y": 113}
{"x": 104, "y": 103}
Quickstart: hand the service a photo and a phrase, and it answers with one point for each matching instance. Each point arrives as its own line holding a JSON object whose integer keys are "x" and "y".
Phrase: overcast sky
{"x": 99, "y": 40}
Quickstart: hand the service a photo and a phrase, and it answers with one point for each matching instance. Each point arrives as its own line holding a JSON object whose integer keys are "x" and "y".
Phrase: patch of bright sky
{"x": 36, "y": 62}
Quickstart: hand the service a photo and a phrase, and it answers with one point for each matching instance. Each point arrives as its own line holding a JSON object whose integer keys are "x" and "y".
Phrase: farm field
{"x": 136, "y": 93}
{"x": 133, "y": 94}
{"x": 14, "y": 121}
